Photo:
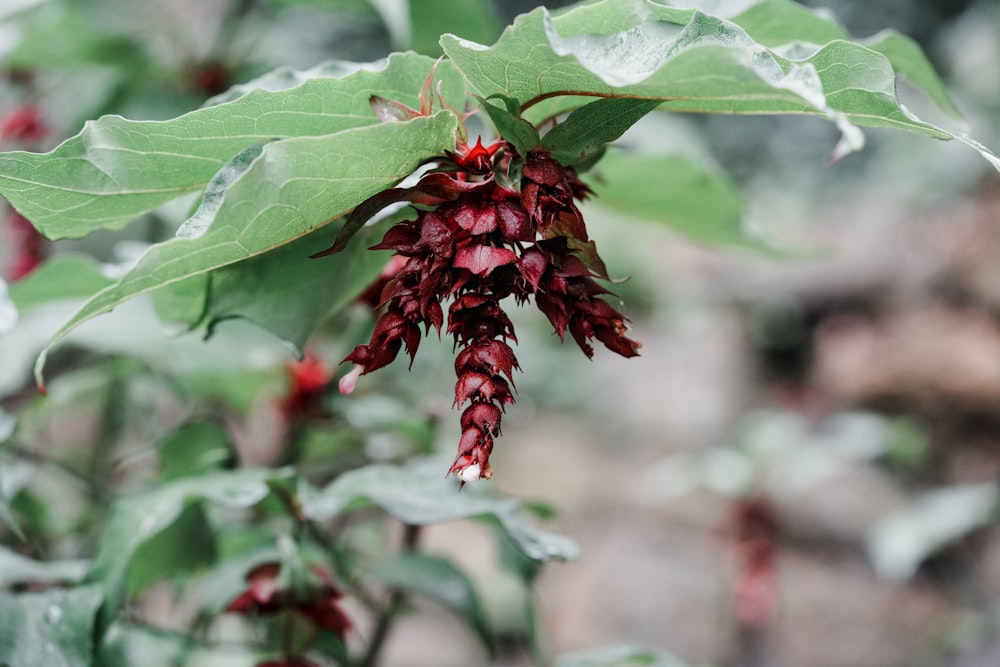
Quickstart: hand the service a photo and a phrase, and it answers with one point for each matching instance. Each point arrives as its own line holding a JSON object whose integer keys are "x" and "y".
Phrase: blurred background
{"x": 800, "y": 470}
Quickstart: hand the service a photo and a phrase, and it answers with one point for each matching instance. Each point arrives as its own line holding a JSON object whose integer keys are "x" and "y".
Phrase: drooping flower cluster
{"x": 482, "y": 235}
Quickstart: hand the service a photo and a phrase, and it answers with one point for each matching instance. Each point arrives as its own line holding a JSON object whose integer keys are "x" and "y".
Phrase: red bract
{"x": 23, "y": 123}
{"x": 476, "y": 242}
{"x": 309, "y": 378}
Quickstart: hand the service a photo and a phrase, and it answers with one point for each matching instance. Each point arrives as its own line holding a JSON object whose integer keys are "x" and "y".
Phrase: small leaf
{"x": 437, "y": 578}
{"x": 514, "y": 129}
{"x": 421, "y": 495}
{"x": 54, "y": 628}
{"x": 588, "y": 129}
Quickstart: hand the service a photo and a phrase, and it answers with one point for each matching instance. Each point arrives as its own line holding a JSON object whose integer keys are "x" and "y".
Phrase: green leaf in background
{"x": 18, "y": 570}
{"x": 909, "y": 60}
{"x": 585, "y": 132}
{"x": 693, "y": 201}
{"x": 287, "y": 292}
{"x": 420, "y": 495}
{"x": 61, "y": 277}
{"x": 183, "y": 548}
{"x": 473, "y": 19}
{"x": 137, "y": 518}
{"x": 197, "y": 447}
{"x": 438, "y": 578}
{"x": 130, "y": 645}
{"x": 117, "y": 169}
{"x": 620, "y": 655}
{"x": 293, "y": 188}
{"x": 54, "y": 628}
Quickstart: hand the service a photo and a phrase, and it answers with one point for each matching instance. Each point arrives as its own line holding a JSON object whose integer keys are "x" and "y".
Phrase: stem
{"x": 560, "y": 93}
{"x": 411, "y": 535}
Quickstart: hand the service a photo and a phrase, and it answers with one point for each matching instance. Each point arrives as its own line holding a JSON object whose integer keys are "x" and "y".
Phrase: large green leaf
{"x": 421, "y": 495}
{"x": 54, "y": 628}
{"x": 294, "y": 187}
{"x": 290, "y": 294}
{"x": 116, "y": 169}
{"x": 693, "y": 62}
{"x": 776, "y": 23}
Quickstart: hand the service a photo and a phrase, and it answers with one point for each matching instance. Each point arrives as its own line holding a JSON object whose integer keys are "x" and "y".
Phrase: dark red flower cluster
{"x": 320, "y": 603}
{"x": 482, "y": 235}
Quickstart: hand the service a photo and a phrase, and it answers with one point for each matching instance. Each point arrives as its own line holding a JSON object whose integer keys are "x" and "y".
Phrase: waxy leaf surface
{"x": 692, "y": 62}
{"x": 117, "y": 169}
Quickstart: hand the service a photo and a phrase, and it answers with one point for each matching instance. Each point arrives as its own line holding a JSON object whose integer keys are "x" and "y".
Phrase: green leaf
{"x": 620, "y": 655}
{"x": 514, "y": 129}
{"x": 700, "y": 204}
{"x": 290, "y": 294}
{"x": 54, "y": 628}
{"x": 909, "y": 60}
{"x": 628, "y": 48}
{"x": 197, "y": 447}
{"x": 61, "y": 277}
{"x": 138, "y": 518}
{"x": 776, "y": 23}
{"x": 587, "y": 130}
{"x": 437, "y": 578}
{"x": 117, "y": 169}
{"x": 293, "y": 188}
{"x": 18, "y": 570}
{"x": 184, "y": 547}
{"x": 420, "y": 495}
